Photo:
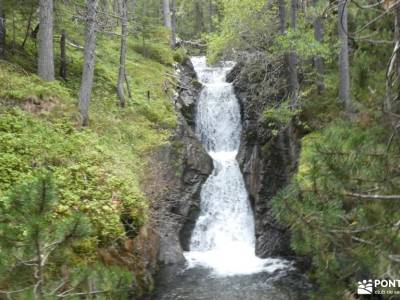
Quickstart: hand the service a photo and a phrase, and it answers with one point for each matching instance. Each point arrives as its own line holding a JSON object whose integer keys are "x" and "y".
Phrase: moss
{"x": 180, "y": 55}
{"x": 18, "y": 84}
{"x": 98, "y": 169}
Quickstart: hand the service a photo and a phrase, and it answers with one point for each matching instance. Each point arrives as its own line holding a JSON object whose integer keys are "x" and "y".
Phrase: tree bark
{"x": 318, "y": 60}
{"x": 63, "y": 56}
{"x": 28, "y": 26}
{"x": 210, "y": 15}
{"x": 293, "y": 78}
{"x": 344, "y": 67}
{"x": 46, "y": 51}
{"x": 397, "y": 42}
{"x": 133, "y": 5}
{"x": 14, "y": 35}
{"x": 199, "y": 17}
{"x": 122, "y": 56}
{"x": 173, "y": 23}
{"x": 89, "y": 61}
{"x": 282, "y": 16}
{"x": 167, "y": 14}
{"x": 2, "y": 30}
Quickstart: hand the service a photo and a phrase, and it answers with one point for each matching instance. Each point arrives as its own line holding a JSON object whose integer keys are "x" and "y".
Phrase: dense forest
{"x": 88, "y": 96}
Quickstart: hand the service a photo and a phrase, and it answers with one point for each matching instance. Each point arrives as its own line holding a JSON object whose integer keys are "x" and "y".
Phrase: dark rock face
{"x": 189, "y": 91}
{"x": 268, "y": 159}
{"x": 184, "y": 167}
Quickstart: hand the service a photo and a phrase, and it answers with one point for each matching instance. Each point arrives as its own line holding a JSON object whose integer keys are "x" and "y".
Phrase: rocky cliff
{"x": 269, "y": 152}
{"x": 183, "y": 166}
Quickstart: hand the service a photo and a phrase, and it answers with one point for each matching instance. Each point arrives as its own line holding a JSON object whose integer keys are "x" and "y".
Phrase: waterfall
{"x": 223, "y": 238}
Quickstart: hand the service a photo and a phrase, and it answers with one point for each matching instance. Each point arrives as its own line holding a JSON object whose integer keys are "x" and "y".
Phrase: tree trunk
{"x": 28, "y": 26}
{"x": 344, "y": 68}
{"x": 282, "y": 16}
{"x": 318, "y": 60}
{"x": 199, "y": 18}
{"x": 397, "y": 41}
{"x": 393, "y": 73}
{"x": 46, "y": 51}
{"x": 122, "y": 56}
{"x": 210, "y": 15}
{"x": 89, "y": 61}
{"x": 39, "y": 276}
{"x": 2, "y": 30}
{"x": 173, "y": 23}
{"x": 293, "y": 78}
{"x": 63, "y": 56}
{"x": 133, "y": 5}
{"x": 167, "y": 14}
{"x": 14, "y": 35}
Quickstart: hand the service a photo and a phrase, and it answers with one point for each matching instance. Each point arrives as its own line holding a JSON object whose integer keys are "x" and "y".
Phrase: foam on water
{"x": 223, "y": 238}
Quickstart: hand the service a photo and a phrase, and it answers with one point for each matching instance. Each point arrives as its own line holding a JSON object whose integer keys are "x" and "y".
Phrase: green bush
{"x": 348, "y": 238}
{"x": 89, "y": 178}
{"x": 157, "y": 52}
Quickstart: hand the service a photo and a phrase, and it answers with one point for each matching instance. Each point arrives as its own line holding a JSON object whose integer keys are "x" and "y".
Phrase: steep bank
{"x": 268, "y": 153}
{"x": 184, "y": 166}
{"x": 98, "y": 172}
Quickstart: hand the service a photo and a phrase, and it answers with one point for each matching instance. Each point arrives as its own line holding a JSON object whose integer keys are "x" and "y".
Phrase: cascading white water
{"x": 223, "y": 238}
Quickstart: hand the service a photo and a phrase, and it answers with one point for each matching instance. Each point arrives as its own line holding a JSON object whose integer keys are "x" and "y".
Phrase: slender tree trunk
{"x": 89, "y": 61}
{"x": 173, "y": 23}
{"x": 2, "y": 30}
{"x": 282, "y": 16}
{"x": 167, "y": 14}
{"x": 344, "y": 67}
{"x": 46, "y": 51}
{"x": 144, "y": 28}
{"x": 127, "y": 86}
{"x": 318, "y": 60}
{"x": 14, "y": 35}
{"x": 393, "y": 74}
{"x": 122, "y": 56}
{"x": 199, "y": 17}
{"x": 133, "y": 5}
{"x": 28, "y": 26}
{"x": 293, "y": 78}
{"x": 63, "y": 56}
{"x": 39, "y": 276}
{"x": 397, "y": 41}
{"x": 210, "y": 15}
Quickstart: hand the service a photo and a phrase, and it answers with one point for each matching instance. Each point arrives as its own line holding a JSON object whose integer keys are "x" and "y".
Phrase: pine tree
{"x": 31, "y": 234}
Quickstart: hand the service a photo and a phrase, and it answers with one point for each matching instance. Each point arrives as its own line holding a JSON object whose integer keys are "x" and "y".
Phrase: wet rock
{"x": 268, "y": 159}
{"x": 189, "y": 92}
{"x": 184, "y": 166}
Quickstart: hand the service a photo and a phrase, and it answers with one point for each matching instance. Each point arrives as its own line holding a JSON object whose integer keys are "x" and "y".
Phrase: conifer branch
{"x": 373, "y": 196}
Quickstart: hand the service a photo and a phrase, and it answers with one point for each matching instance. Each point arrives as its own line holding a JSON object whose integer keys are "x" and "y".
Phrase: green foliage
{"x": 89, "y": 176}
{"x": 34, "y": 238}
{"x": 180, "y": 55}
{"x": 157, "y": 52}
{"x": 303, "y": 42}
{"x": 17, "y": 84}
{"x": 196, "y": 17}
{"x": 246, "y": 25}
{"x": 96, "y": 172}
{"x": 344, "y": 234}
{"x": 281, "y": 114}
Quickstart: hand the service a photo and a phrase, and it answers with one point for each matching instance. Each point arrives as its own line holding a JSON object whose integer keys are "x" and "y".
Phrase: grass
{"x": 98, "y": 169}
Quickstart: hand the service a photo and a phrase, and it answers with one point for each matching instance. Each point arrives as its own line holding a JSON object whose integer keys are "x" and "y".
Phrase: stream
{"x": 221, "y": 263}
